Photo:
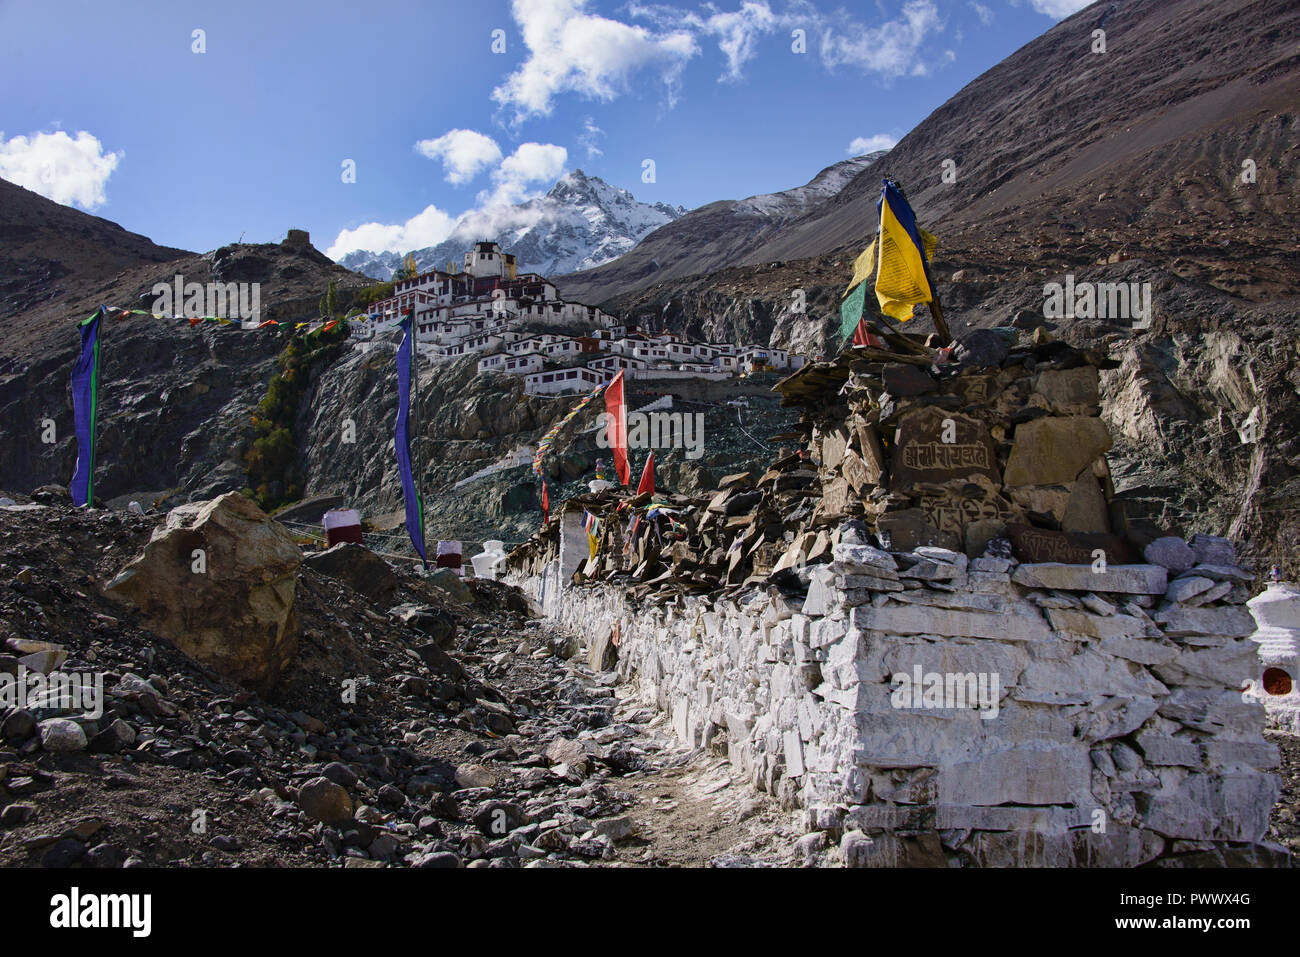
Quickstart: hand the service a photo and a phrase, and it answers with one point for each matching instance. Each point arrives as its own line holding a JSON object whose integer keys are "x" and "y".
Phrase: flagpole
{"x": 415, "y": 418}
{"x": 936, "y": 313}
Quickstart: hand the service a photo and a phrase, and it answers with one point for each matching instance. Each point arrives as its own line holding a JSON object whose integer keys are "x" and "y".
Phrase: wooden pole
{"x": 936, "y": 312}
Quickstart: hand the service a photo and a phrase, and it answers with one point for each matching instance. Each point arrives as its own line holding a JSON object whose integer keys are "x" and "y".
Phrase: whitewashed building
{"x": 577, "y": 379}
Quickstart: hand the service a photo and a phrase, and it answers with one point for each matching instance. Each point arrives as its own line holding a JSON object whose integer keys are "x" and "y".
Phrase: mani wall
{"x": 956, "y": 697}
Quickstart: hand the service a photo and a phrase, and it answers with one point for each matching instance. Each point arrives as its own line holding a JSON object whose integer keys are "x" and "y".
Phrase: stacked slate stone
{"x": 1004, "y": 446}
{"x": 1052, "y": 714}
{"x": 660, "y": 546}
{"x": 1119, "y": 736}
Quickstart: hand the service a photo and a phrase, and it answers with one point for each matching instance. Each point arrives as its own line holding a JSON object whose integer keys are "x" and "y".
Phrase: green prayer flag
{"x": 852, "y": 308}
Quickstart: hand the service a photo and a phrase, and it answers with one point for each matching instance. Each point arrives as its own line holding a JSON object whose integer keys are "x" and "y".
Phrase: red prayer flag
{"x": 616, "y": 427}
{"x": 546, "y": 504}
{"x": 647, "y": 476}
{"x": 862, "y": 336}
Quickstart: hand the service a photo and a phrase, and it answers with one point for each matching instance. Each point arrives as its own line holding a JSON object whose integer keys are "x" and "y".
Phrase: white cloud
{"x": 427, "y": 228}
{"x": 889, "y": 49}
{"x": 590, "y": 136}
{"x": 1058, "y": 9}
{"x": 869, "y": 144}
{"x": 738, "y": 33}
{"x": 464, "y": 153}
{"x": 983, "y": 12}
{"x": 66, "y": 170}
{"x": 573, "y": 51}
{"x": 530, "y": 163}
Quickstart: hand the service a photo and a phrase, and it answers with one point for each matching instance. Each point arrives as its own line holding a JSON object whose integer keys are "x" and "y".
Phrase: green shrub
{"x": 273, "y": 463}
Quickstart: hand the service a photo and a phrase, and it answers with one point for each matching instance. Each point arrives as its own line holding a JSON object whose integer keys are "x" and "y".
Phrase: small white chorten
{"x": 1277, "y": 613}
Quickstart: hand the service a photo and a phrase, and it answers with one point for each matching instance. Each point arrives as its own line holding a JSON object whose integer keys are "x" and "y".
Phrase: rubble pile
{"x": 934, "y": 628}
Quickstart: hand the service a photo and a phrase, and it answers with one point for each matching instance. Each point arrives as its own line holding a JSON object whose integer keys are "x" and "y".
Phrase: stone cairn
{"x": 934, "y": 627}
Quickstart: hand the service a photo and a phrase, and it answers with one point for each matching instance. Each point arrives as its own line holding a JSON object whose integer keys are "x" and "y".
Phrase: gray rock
{"x": 1125, "y": 758}
{"x": 1219, "y": 590}
{"x": 1224, "y": 573}
{"x": 855, "y": 532}
{"x": 323, "y": 800}
{"x": 116, "y": 737}
{"x": 18, "y": 726}
{"x": 866, "y": 555}
{"x": 104, "y": 856}
{"x": 15, "y": 814}
{"x": 1184, "y": 587}
{"x": 63, "y": 853}
{"x": 496, "y": 819}
{"x": 1128, "y": 579}
{"x": 982, "y": 347}
{"x": 340, "y": 774}
{"x": 452, "y": 584}
{"x": 615, "y": 828}
{"x": 437, "y": 624}
{"x": 1165, "y": 750}
{"x": 384, "y": 846}
{"x": 357, "y": 566}
{"x": 1213, "y": 550}
{"x": 1171, "y": 552}
{"x": 1025, "y": 623}
{"x": 1231, "y": 621}
{"x": 1233, "y": 807}
{"x": 62, "y": 734}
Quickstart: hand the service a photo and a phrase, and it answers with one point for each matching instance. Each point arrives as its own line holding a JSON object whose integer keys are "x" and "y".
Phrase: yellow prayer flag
{"x": 864, "y": 266}
{"x": 901, "y": 282}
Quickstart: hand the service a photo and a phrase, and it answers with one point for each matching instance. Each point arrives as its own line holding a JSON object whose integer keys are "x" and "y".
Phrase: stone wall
{"x": 1112, "y": 730}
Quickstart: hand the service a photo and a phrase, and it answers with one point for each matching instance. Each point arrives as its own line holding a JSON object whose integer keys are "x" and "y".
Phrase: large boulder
{"x": 359, "y": 567}
{"x": 217, "y": 580}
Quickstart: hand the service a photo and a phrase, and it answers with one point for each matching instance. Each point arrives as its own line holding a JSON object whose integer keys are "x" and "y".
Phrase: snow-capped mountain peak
{"x": 580, "y": 222}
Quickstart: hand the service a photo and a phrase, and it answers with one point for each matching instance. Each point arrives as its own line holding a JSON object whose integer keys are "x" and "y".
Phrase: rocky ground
{"x": 471, "y": 740}
{"x": 1285, "y": 826}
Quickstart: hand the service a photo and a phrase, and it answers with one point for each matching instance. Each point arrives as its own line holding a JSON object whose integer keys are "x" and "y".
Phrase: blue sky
{"x": 109, "y": 108}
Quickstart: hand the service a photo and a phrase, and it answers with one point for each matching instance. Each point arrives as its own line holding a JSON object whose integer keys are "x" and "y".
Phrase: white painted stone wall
{"x": 1121, "y": 734}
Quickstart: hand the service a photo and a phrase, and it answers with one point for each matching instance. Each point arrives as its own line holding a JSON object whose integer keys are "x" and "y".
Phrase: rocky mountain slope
{"x": 1060, "y": 152}
{"x": 580, "y": 222}
{"x": 46, "y": 248}
{"x": 713, "y": 236}
{"x": 1125, "y": 166}
{"x": 471, "y": 421}
{"x": 176, "y": 400}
